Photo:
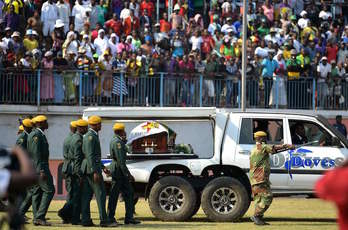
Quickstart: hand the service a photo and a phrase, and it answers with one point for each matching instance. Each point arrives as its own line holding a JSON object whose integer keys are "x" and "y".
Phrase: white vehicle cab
{"x": 214, "y": 175}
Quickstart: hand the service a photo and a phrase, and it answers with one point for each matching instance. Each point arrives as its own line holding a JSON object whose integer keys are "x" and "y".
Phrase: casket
{"x": 150, "y": 137}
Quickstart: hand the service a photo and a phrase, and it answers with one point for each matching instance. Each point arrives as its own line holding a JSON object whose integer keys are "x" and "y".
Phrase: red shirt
{"x": 208, "y": 43}
{"x": 116, "y": 26}
{"x": 94, "y": 34}
{"x": 331, "y": 53}
{"x": 147, "y": 5}
{"x": 333, "y": 186}
{"x": 164, "y": 26}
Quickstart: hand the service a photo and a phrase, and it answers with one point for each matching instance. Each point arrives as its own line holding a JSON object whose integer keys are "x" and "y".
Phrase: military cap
{"x": 260, "y": 134}
{"x": 21, "y": 128}
{"x": 118, "y": 126}
{"x": 27, "y": 123}
{"x": 40, "y": 118}
{"x": 93, "y": 120}
{"x": 81, "y": 123}
{"x": 73, "y": 124}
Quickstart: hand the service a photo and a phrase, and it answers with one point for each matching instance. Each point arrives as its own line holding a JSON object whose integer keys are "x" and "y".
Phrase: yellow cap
{"x": 21, "y": 128}
{"x": 33, "y": 120}
{"x": 81, "y": 123}
{"x": 73, "y": 124}
{"x": 118, "y": 126}
{"x": 40, "y": 118}
{"x": 260, "y": 134}
{"x": 27, "y": 123}
{"x": 93, "y": 120}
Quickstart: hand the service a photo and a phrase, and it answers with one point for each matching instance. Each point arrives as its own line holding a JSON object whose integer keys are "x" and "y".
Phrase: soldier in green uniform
{"x": 66, "y": 212}
{"x": 44, "y": 191}
{"x": 260, "y": 169}
{"x": 27, "y": 126}
{"x": 121, "y": 176}
{"x": 23, "y": 137}
{"x": 92, "y": 168}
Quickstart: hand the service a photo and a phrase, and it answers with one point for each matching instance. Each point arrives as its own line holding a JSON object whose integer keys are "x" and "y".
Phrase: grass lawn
{"x": 285, "y": 213}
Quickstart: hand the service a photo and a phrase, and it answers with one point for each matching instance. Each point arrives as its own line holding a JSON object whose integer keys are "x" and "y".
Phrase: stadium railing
{"x": 113, "y": 88}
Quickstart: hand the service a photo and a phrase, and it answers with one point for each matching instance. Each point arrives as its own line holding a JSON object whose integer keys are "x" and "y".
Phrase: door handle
{"x": 244, "y": 152}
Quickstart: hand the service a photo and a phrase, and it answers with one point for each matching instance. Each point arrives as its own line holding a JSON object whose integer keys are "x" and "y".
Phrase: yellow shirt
{"x": 286, "y": 54}
{"x": 16, "y": 4}
{"x": 30, "y": 44}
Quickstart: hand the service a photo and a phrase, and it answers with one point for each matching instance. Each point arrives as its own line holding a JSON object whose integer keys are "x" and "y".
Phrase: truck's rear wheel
{"x": 225, "y": 199}
{"x": 171, "y": 199}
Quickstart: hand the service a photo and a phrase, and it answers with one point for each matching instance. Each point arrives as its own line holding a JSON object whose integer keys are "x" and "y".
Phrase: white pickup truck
{"x": 215, "y": 176}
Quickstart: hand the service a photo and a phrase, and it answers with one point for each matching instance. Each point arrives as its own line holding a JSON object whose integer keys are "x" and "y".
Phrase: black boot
{"x": 258, "y": 220}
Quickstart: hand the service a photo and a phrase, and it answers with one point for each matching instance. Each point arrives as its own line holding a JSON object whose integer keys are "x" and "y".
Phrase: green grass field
{"x": 285, "y": 213}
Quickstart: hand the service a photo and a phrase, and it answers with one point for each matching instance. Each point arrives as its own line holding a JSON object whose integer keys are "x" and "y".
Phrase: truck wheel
{"x": 171, "y": 199}
{"x": 225, "y": 199}
{"x": 197, "y": 205}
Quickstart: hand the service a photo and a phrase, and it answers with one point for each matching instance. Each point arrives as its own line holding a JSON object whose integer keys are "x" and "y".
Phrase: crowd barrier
{"x": 111, "y": 88}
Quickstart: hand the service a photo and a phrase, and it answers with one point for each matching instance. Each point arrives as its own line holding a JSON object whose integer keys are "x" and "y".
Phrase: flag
{"x": 117, "y": 87}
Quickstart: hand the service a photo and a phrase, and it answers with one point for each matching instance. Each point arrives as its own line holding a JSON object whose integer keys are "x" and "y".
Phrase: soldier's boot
{"x": 132, "y": 221}
{"x": 40, "y": 222}
{"x": 258, "y": 220}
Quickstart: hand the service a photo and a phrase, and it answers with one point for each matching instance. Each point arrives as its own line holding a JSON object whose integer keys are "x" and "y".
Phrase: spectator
{"x": 125, "y": 11}
{"x": 164, "y": 24}
{"x": 101, "y": 43}
{"x": 30, "y": 43}
{"x": 88, "y": 46}
{"x": 133, "y": 5}
{"x": 132, "y": 23}
{"x": 303, "y": 21}
{"x": 176, "y": 20}
{"x": 70, "y": 44}
{"x": 64, "y": 14}
{"x": 324, "y": 70}
{"x": 47, "y": 82}
{"x": 268, "y": 11}
{"x": 79, "y": 15}
{"x": 147, "y": 5}
{"x": 114, "y": 24}
{"x": 11, "y": 19}
{"x": 49, "y": 16}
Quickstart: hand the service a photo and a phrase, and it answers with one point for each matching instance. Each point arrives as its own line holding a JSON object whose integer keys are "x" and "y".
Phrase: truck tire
{"x": 225, "y": 199}
{"x": 171, "y": 199}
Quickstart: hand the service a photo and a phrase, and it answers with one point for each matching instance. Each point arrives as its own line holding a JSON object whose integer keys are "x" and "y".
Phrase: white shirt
{"x": 225, "y": 28}
{"x": 323, "y": 70}
{"x": 262, "y": 52}
{"x": 49, "y": 12}
{"x": 79, "y": 12}
{"x": 325, "y": 15}
{"x": 226, "y": 5}
{"x": 73, "y": 46}
{"x": 63, "y": 12}
{"x": 135, "y": 6}
{"x": 113, "y": 46}
{"x": 125, "y": 13}
{"x": 88, "y": 47}
{"x": 303, "y": 22}
{"x": 275, "y": 39}
{"x": 101, "y": 44}
{"x": 196, "y": 42}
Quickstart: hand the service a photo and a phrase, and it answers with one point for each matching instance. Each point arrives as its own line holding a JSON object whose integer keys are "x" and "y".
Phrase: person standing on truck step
{"x": 92, "y": 168}
{"x": 77, "y": 156}
{"x": 22, "y": 141}
{"x": 260, "y": 168}
{"x": 65, "y": 213}
{"x": 121, "y": 177}
{"x": 44, "y": 191}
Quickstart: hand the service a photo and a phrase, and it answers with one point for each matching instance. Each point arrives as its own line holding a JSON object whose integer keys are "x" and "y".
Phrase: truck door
{"x": 320, "y": 153}
{"x": 274, "y": 129}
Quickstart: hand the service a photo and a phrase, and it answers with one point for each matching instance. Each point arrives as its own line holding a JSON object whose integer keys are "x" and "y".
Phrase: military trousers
{"x": 42, "y": 196}
{"x": 72, "y": 207}
{"x": 26, "y": 203}
{"x": 263, "y": 197}
{"x": 90, "y": 188}
{"x": 123, "y": 186}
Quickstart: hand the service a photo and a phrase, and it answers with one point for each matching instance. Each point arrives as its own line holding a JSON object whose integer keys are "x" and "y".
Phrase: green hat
{"x": 95, "y": 55}
{"x": 293, "y": 17}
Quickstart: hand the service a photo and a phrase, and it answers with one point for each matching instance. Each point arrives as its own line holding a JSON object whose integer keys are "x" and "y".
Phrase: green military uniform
{"x": 66, "y": 211}
{"x": 260, "y": 169}
{"x": 22, "y": 140}
{"x": 120, "y": 179}
{"x": 91, "y": 164}
{"x": 77, "y": 157}
{"x": 43, "y": 192}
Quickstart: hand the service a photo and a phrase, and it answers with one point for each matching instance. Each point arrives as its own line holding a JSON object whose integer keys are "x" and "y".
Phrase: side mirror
{"x": 336, "y": 142}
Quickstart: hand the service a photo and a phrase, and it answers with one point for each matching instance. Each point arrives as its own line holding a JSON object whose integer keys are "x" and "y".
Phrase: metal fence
{"x": 83, "y": 88}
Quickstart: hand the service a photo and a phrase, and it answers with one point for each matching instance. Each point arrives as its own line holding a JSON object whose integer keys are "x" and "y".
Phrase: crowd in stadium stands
{"x": 293, "y": 40}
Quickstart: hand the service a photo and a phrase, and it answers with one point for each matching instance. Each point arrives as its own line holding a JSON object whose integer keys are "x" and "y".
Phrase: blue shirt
{"x": 269, "y": 66}
{"x": 341, "y": 128}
